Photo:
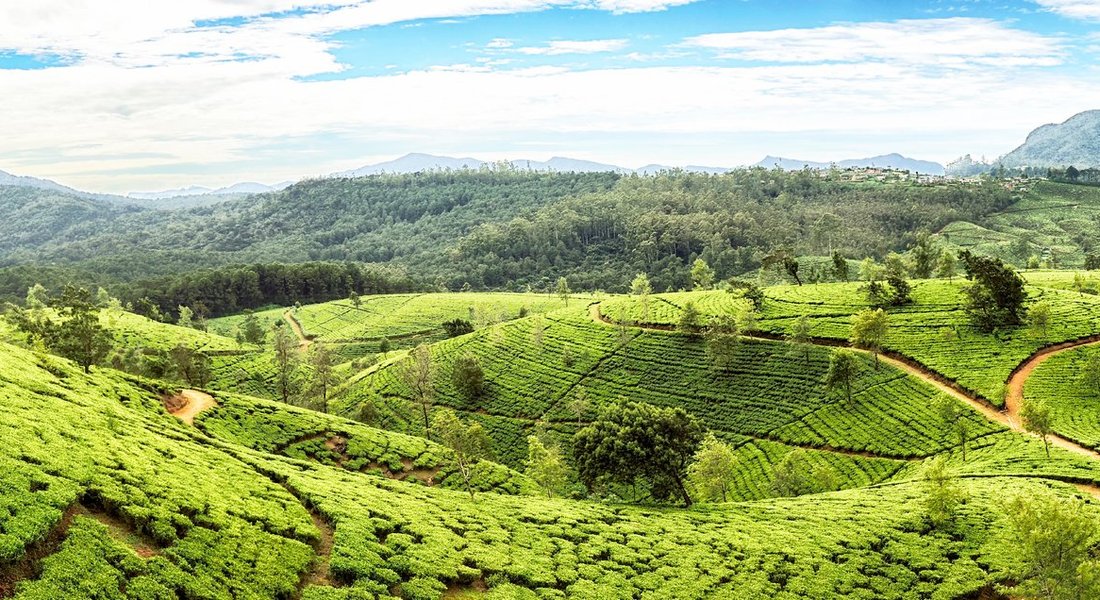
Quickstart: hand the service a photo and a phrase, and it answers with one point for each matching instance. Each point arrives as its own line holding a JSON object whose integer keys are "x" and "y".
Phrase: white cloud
{"x": 103, "y": 123}
{"x": 956, "y": 41}
{"x": 1075, "y": 9}
{"x": 559, "y": 47}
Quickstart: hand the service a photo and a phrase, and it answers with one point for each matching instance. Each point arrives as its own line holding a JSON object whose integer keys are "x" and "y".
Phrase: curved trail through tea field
{"x": 1014, "y": 393}
{"x": 194, "y": 402}
{"x": 303, "y": 341}
{"x": 1009, "y": 417}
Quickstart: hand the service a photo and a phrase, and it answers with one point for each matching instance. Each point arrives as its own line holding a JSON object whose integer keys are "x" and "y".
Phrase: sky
{"x": 127, "y": 95}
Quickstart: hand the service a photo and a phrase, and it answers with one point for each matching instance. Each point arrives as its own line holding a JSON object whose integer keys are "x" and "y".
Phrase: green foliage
{"x": 869, "y": 329}
{"x": 954, "y": 418}
{"x": 795, "y": 475}
{"x": 1036, "y": 417}
{"x": 1052, "y": 539}
{"x": 843, "y": 369}
{"x": 468, "y": 377}
{"x": 689, "y": 322}
{"x": 711, "y": 471}
{"x": 840, "y": 266}
{"x": 996, "y": 295}
{"x": 1038, "y": 318}
{"x": 467, "y": 442}
{"x": 943, "y": 494}
{"x": 457, "y": 327}
{"x": 721, "y": 340}
{"x": 546, "y": 466}
{"x": 635, "y": 440}
{"x": 702, "y": 276}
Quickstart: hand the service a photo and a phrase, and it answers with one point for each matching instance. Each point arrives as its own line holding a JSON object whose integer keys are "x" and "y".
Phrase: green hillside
{"x": 933, "y": 330}
{"x": 160, "y": 510}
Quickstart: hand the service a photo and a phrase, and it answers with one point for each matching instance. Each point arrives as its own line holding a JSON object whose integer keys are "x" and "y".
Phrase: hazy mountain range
{"x": 885, "y": 161}
{"x": 248, "y": 187}
{"x": 412, "y": 163}
{"x": 1073, "y": 142}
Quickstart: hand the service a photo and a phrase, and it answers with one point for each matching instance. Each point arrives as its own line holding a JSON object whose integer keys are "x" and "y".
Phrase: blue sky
{"x": 134, "y": 94}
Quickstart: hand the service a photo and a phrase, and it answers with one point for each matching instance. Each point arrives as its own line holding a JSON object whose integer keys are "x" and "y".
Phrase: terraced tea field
{"x": 933, "y": 330}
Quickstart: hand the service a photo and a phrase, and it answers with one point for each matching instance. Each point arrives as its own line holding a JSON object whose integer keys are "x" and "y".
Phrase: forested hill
{"x": 491, "y": 229}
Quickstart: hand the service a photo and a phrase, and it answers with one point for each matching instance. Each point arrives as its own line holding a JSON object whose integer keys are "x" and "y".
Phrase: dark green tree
{"x": 995, "y": 296}
{"x": 468, "y": 377}
{"x": 843, "y": 369}
{"x": 78, "y": 335}
{"x": 840, "y": 266}
{"x": 631, "y": 441}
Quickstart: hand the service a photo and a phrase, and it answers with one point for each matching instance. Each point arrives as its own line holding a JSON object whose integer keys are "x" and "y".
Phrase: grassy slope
{"x": 770, "y": 402}
{"x": 933, "y": 330}
{"x": 1054, "y": 216}
{"x": 224, "y": 528}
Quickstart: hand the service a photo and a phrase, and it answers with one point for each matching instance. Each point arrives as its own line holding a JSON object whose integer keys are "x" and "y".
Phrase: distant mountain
{"x": 417, "y": 162}
{"x": 45, "y": 184}
{"x": 654, "y": 169}
{"x": 562, "y": 164}
{"x": 1075, "y": 142}
{"x": 413, "y": 163}
{"x": 198, "y": 190}
{"x": 886, "y": 161}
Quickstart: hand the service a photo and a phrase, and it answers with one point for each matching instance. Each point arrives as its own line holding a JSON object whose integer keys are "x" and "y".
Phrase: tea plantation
{"x": 105, "y": 495}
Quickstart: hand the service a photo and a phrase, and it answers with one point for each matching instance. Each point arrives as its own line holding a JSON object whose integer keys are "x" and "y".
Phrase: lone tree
{"x": 689, "y": 319}
{"x": 945, "y": 268}
{"x": 924, "y": 255}
{"x": 78, "y": 335}
{"x": 468, "y": 443}
{"x": 641, "y": 288}
{"x": 711, "y": 470}
{"x": 995, "y": 297}
{"x": 795, "y": 476}
{"x": 251, "y": 331}
{"x": 843, "y": 369}
{"x": 840, "y": 266}
{"x": 418, "y": 374}
{"x": 467, "y": 377}
{"x": 285, "y": 359}
{"x": 192, "y": 366}
{"x": 942, "y": 493}
{"x": 563, "y": 290}
{"x": 1036, "y": 417}
{"x": 783, "y": 259}
{"x": 1038, "y": 318}
{"x": 1053, "y": 541}
{"x": 721, "y": 341}
{"x": 799, "y": 339}
{"x": 954, "y": 419}
{"x": 869, "y": 329}
{"x": 320, "y": 358}
{"x": 546, "y": 466}
{"x": 702, "y": 276}
{"x": 637, "y": 440}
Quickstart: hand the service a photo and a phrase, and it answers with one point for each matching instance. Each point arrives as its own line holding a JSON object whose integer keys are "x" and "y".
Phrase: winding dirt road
{"x": 186, "y": 405}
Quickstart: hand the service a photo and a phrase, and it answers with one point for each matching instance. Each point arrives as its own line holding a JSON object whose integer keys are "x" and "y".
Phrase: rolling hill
{"x": 1074, "y": 142}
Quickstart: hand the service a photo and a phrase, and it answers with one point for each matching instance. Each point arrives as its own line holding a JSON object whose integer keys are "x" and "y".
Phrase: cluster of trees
{"x": 734, "y": 221}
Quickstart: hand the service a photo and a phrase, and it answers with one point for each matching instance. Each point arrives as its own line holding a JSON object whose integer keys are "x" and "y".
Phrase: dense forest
{"x": 487, "y": 229}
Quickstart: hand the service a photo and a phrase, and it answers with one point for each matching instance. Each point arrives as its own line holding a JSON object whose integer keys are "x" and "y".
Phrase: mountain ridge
{"x": 1075, "y": 141}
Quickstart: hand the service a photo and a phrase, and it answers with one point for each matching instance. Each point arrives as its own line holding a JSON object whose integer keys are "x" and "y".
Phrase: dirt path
{"x": 303, "y": 341}
{"x": 1014, "y": 395}
{"x": 186, "y": 405}
{"x": 1008, "y": 417}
